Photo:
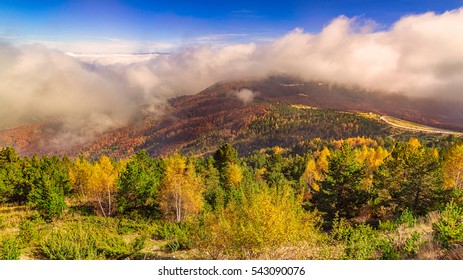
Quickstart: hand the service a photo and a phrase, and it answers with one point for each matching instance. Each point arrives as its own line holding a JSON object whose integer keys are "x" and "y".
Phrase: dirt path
{"x": 420, "y": 128}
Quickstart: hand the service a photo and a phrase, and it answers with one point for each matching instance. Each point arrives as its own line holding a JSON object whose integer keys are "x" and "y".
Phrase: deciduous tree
{"x": 181, "y": 194}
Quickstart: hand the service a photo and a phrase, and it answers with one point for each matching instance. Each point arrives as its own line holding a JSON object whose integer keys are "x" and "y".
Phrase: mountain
{"x": 249, "y": 114}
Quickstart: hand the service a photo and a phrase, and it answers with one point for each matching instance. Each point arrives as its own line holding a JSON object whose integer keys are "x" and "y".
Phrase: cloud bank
{"x": 420, "y": 55}
{"x": 245, "y": 95}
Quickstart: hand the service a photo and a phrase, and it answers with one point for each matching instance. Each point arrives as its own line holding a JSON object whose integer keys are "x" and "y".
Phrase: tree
{"x": 11, "y": 176}
{"x": 341, "y": 191}
{"x": 410, "y": 178}
{"x": 224, "y": 156}
{"x": 102, "y": 185}
{"x": 139, "y": 184}
{"x": 49, "y": 180}
{"x": 226, "y": 162}
{"x": 214, "y": 194}
{"x": 309, "y": 180}
{"x": 453, "y": 167}
{"x": 97, "y": 182}
{"x": 80, "y": 173}
{"x": 314, "y": 170}
{"x": 233, "y": 174}
{"x": 181, "y": 193}
{"x": 258, "y": 221}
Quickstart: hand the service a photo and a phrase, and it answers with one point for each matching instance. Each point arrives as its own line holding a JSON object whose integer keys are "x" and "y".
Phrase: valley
{"x": 200, "y": 123}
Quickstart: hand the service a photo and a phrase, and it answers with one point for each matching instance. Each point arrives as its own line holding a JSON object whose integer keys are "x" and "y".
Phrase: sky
{"x": 123, "y": 26}
{"x": 84, "y": 64}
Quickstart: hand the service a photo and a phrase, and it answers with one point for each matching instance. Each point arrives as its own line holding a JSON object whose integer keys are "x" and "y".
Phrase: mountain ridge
{"x": 228, "y": 112}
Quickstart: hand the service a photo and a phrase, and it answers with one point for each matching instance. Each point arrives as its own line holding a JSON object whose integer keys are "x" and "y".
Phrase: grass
{"x": 24, "y": 235}
{"x": 300, "y": 106}
{"x": 80, "y": 236}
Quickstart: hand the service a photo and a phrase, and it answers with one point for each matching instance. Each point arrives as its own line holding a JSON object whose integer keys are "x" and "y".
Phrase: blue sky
{"x": 165, "y": 25}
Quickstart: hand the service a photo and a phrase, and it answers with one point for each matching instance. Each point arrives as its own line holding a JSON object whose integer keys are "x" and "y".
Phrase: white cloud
{"x": 421, "y": 55}
{"x": 246, "y": 95}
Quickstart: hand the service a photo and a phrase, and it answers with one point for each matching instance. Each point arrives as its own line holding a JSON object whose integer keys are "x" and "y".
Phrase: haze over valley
{"x": 80, "y": 96}
{"x": 232, "y": 130}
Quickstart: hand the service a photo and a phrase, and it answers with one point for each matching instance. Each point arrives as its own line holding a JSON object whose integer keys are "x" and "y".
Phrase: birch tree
{"x": 181, "y": 192}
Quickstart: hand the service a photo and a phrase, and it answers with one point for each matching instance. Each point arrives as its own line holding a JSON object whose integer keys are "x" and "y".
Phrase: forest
{"x": 356, "y": 198}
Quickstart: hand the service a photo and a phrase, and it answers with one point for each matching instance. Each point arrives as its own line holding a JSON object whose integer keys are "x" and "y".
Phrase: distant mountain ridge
{"x": 242, "y": 112}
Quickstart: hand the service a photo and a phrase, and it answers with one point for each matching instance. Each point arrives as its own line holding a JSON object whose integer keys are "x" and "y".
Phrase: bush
{"x": 27, "y": 231}
{"x": 260, "y": 221}
{"x": 362, "y": 243}
{"x": 87, "y": 241}
{"x": 10, "y": 249}
{"x": 406, "y": 218}
{"x": 412, "y": 244}
{"x": 177, "y": 235}
{"x": 387, "y": 226}
{"x": 448, "y": 230}
{"x": 130, "y": 225}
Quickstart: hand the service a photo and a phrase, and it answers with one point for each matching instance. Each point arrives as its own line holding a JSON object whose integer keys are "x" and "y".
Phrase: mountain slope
{"x": 256, "y": 117}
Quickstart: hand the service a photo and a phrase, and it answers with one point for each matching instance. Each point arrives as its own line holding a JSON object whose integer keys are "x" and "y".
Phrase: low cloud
{"x": 420, "y": 55}
{"x": 246, "y": 95}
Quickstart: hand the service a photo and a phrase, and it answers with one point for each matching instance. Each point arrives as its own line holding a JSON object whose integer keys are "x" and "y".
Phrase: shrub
{"x": 387, "y": 226}
{"x": 412, "y": 244}
{"x": 362, "y": 243}
{"x": 448, "y": 229}
{"x": 80, "y": 241}
{"x": 10, "y": 249}
{"x": 130, "y": 225}
{"x": 388, "y": 250}
{"x": 406, "y": 218}
{"x": 27, "y": 231}
{"x": 177, "y": 235}
{"x": 255, "y": 223}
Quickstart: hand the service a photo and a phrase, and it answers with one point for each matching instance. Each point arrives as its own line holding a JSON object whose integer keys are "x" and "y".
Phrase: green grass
{"x": 24, "y": 235}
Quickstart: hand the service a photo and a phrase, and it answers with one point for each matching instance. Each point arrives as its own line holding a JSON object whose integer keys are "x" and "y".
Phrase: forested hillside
{"x": 357, "y": 198}
{"x": 249, "y": 115}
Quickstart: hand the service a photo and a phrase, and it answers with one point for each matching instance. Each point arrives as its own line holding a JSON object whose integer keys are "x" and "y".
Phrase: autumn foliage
{"x": 358, "y": 198}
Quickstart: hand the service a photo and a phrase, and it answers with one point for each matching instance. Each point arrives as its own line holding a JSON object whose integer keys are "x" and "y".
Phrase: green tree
{"x": 214, "y": 194}
{"x": 11, "y": 176}
{"x": 224, "y": 156}
{"x": 410, "y": 178}
{"x": 341, "y": 191}
{"x": 50, "y": 181}
{"x": 226, "y": 162}
{"x": 139, "y": 184}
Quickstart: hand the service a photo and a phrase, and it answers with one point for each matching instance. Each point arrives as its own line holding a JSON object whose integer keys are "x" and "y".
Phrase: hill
{"x": 250, "y": 115}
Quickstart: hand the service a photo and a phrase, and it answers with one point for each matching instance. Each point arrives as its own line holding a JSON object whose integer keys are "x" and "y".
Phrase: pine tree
{"x": 410, "y": 178}
{"x": 341, "y": 191}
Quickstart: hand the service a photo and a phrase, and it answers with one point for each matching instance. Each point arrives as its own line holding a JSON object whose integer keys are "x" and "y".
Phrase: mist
{"x": 246, "y": 95}
{"x": 420, "y": 56}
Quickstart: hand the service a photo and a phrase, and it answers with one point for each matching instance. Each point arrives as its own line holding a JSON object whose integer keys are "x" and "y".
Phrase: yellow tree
{"x": 102, "y": 185}
{"x": 96, "y": 182}
{"x": 311, "y": 176}
{"x": 372, "y": 158}
{"x": 322, "y": 161}
{"x": 260, "y": 222}
{"x": 181, "y": 192}
{"x": 314, "y": 170}
{"x": 453, "y": 167}
{"x": 80, "y": 174}
{"x": 233, "y": 174}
